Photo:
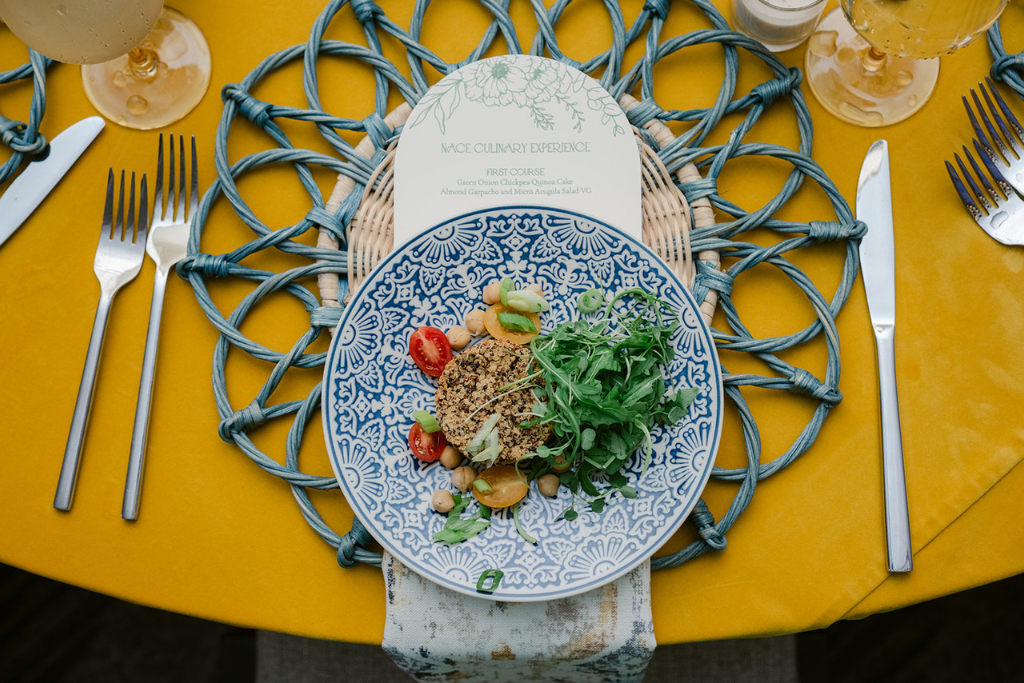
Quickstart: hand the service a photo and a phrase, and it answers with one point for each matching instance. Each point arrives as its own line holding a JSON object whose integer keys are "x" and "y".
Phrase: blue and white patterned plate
{"x": 371, "y": 387}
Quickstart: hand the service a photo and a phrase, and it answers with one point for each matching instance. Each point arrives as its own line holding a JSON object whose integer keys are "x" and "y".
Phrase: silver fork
{"x": 1010, "y": 157}
{"x": 118, "y": 259}
{"x": 167, "y": 244}
{"x": 1001, "y": 214}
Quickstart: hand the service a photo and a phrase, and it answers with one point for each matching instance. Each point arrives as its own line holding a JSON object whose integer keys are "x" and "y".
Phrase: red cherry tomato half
{"x": 426, "y": 447}
{"x": 430, "y": 349}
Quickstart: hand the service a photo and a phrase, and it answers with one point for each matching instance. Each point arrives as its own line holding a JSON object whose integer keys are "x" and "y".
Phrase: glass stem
{"x": 142, "y": 62}
{"x": 873, "y": 59}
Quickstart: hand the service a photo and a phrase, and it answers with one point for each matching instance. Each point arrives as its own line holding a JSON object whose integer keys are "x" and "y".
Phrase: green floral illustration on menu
{"x": 538, "y": 86}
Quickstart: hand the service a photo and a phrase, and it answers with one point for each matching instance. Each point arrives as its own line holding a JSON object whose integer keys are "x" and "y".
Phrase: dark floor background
{"x": 54, "y": 633}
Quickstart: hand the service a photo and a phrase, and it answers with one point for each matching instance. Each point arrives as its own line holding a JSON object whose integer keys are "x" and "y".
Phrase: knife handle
{"x": 897, "y": 515}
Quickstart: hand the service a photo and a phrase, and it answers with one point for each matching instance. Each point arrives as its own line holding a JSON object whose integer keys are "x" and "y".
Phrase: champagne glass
{"x": 144, "y": 65}
{"x": 874, "y": 62}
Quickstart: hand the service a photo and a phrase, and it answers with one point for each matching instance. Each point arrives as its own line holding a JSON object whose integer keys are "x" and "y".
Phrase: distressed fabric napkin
{"x": 436, "y": 634}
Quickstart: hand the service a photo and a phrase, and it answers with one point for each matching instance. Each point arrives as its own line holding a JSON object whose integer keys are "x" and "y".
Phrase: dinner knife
{"x": 39, "y": 177}
{"x": 878, "y": 266}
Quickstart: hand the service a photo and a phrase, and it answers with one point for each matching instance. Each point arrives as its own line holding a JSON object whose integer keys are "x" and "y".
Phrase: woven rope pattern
{"x": 334, "y": 256}
{"x": 1008, "y": 68}
{"x": 24, "y": 139}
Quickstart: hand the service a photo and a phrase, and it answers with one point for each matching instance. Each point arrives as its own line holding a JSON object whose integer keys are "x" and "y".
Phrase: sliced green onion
{"x": 507, "y": 285}
{"x": 495, "y": 576}
{"x": 428, "y": 422}
{"x": 519, "y": 527}
{"x": 590, "y": 301}
{"x": 492, "y": 442}
{"x": 517, "y": 323}
{"x": 490, "y": 453}
{"x": 483, "y": 487}
{"x": 527, "y": 300}
{"x": 482, "y": 433}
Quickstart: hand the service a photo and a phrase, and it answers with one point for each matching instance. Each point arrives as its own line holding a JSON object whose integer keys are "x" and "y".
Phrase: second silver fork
{"x": 166, "y": 245}
{"x": 118, "y": 259}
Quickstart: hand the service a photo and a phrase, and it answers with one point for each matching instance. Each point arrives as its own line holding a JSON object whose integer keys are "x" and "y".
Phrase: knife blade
{"x": 40, "y": 176}
{"x": 878, "y": 266}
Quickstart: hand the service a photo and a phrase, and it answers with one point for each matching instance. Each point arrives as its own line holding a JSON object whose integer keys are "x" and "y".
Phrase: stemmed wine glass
{"x": 144, "y": 65}
{"x": 872, "y": 62}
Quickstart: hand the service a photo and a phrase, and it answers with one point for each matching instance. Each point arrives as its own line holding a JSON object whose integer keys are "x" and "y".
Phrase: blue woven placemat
{"x": 728, "y": 237}
{"x": 24, "y": 139}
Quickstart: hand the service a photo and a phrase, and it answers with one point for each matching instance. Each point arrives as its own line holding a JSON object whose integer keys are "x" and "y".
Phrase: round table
{"x": 218, "y": 538}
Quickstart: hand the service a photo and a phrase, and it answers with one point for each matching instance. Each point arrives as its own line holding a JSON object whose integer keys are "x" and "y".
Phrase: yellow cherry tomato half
{"x": 561, "y": 465}
{"x": 506, "y": 487}
{"x": 495, "y": 329}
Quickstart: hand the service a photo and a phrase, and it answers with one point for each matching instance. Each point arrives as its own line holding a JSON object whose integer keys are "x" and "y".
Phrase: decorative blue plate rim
{"x": 357, "y": 486}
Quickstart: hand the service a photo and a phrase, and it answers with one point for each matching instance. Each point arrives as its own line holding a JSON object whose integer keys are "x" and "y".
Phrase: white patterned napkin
{"x": 436, "y": 634}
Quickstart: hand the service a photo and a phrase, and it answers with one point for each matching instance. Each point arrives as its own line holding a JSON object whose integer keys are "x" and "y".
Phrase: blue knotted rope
{"x": 724, "y": 237}
{"x": 24, "y": 139}
{"x": 1008, "y": 68}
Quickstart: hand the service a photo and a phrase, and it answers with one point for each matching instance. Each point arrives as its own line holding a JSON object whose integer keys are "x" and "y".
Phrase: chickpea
{"x": 548, "y": 485}
{"x": 475, "y": 322}
{"x": 492, "y": 292}
{"x": 451, "y": 457}
{"x": 463, "y": 478}
{"x": 458, "y": 337}
{"x": 442, "y": 500}
{"x": 536, "y": 287}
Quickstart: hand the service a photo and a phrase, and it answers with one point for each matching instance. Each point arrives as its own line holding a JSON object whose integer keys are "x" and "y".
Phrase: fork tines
{"x": 1008, "y": 143}
{"x": 1001, "y": 210}
{"x": 123, "y": 230}
{"x": 173, "y": 209}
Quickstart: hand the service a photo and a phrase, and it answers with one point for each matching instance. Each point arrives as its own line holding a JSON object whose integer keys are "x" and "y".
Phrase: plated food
{"x": 625, "y": 493}
{"x": 568, "y": 407}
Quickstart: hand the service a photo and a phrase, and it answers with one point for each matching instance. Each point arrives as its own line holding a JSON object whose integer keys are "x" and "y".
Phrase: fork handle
{"x": 140, "y": 432}
{"x": 83, "y": 405}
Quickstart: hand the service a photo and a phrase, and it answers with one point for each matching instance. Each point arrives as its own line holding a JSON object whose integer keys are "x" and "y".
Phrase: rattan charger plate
{"x": 667, "y": 216}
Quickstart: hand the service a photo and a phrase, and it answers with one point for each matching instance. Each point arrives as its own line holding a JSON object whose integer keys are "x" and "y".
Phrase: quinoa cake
{"x": 474, "y": 377}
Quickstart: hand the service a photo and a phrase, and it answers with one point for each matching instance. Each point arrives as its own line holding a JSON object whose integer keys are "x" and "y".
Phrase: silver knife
{"x": 878, "y": 266}
{"x": 39, "y": 177}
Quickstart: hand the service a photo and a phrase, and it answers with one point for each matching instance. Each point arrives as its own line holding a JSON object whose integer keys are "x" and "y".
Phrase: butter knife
{"x": 878, "y": 266}
{"x": 40, "y": 176}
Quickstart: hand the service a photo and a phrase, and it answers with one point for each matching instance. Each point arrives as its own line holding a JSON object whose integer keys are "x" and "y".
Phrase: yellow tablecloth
{"x": 218, "y": 538}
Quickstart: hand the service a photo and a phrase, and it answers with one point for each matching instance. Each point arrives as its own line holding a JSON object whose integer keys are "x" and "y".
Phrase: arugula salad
{"x": 570, "y": 408}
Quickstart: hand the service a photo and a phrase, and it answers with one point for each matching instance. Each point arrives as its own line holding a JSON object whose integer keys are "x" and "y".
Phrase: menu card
{"x": 516, "y": 130}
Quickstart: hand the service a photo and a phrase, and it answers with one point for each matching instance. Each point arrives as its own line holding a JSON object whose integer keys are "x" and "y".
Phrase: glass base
{"x": 858, "y": 83}
{"x": 159, "y": 82}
